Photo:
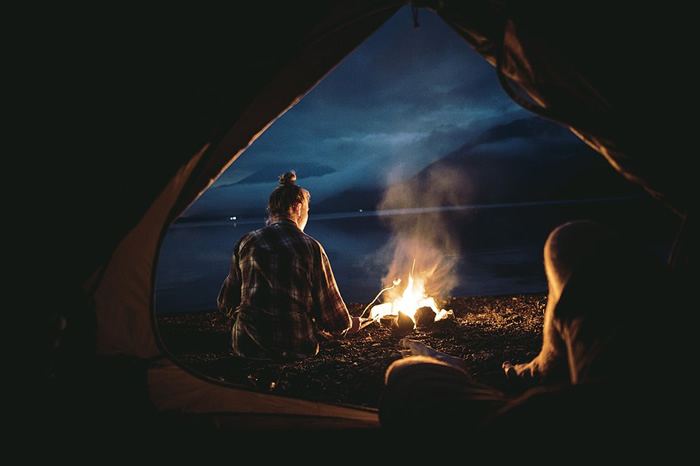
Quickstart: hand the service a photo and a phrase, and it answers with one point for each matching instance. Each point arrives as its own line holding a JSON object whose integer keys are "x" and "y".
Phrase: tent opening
{"x": 413, "y": 155}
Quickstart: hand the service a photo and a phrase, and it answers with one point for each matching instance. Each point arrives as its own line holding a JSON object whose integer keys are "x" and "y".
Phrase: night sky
{"x": 403, "y": 99}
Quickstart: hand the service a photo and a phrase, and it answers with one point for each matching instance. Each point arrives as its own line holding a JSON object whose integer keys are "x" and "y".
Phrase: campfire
{"x": 410, "y": 309}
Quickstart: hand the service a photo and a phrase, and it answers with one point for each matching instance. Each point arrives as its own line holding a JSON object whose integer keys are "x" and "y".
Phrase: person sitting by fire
{"x": 594, "y": 373}
{"x": 280, "y": 291}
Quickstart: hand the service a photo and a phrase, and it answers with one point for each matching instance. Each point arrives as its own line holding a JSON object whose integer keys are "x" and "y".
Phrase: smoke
{"x": 424, "y": 244}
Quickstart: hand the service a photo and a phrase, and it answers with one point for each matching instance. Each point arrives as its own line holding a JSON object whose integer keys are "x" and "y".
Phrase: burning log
{"x": 424, "y": 316}
{"x": 388, "y": 320}
{"x": 404, "y": 324}
{"x": 400, "y": 324}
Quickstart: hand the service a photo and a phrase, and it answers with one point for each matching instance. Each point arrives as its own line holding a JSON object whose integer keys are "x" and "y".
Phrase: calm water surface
{"x": 497, "y": 250}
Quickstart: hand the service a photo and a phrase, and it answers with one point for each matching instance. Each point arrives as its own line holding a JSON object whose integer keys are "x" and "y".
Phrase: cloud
{"x": 271, "y": 173}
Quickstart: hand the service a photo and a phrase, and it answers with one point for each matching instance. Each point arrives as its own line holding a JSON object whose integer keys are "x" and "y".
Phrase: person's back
{"x": 280, "y": 289}
{"x": 285, "y": 291}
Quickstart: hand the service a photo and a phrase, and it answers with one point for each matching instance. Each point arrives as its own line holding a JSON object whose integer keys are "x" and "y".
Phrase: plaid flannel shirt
{"x": 280, "y": 289}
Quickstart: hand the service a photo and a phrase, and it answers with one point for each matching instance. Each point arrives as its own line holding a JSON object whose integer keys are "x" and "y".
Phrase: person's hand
{"x": 521, "y": 376}
{"x": 355, "y": 326}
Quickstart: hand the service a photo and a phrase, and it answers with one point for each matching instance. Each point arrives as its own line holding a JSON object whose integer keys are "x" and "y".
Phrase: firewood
{"x": 425, "y": 317}
{"x": 404, "y": 325}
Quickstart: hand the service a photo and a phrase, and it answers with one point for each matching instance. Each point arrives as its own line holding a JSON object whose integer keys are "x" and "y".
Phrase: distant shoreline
{"x": 185, "y": 222}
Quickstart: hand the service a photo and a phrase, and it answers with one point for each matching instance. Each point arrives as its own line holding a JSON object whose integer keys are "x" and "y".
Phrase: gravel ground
{"x": 485, "y": 331}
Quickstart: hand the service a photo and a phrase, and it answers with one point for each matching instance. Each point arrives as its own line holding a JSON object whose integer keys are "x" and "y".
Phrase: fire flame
{"x": 412, "y": 299}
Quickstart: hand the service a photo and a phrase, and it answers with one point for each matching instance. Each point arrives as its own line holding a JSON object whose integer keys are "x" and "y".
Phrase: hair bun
{"x": 288, "y": 178}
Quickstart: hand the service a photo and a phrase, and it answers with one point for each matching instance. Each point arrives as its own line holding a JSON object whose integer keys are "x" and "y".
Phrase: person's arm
{"x": 230, "y": 292}
{"x": 330, "y": 311}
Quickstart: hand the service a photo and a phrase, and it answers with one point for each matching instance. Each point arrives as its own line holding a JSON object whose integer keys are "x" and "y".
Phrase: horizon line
{"x": 407, "y": 211}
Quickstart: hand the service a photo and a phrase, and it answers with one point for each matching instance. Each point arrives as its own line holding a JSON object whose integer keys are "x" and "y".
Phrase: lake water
{"x": 482, "y": 250}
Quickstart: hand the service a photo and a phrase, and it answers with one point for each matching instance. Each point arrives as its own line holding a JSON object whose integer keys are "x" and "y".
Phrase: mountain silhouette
{"x": 552, "y": 165}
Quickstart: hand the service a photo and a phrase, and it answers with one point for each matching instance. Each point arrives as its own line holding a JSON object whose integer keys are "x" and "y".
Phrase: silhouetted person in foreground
{"x": 608, "y": 365}
{"x": 280, "y": 290}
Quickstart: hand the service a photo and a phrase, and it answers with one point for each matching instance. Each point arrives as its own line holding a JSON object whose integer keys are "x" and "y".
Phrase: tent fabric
{"x": 123, "y": 296}
{"x": 587, "y": 69}
{"x": 176, "y": 391}
{"x": 125, "y": 289}
{"x": 168, "y": 105}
